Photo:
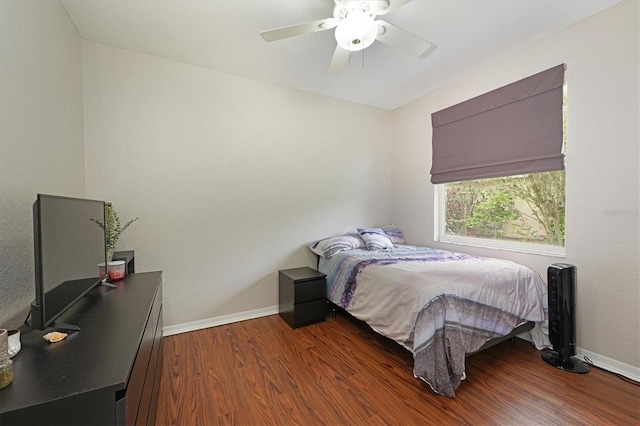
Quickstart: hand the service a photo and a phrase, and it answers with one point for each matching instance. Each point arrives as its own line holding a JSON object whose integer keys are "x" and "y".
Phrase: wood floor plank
{"x": 262, "y": 372}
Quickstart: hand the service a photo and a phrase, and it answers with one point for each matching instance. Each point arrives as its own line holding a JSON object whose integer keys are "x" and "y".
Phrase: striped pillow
{"x": 332, "y": 245}
{"x": 375, "y": 238}
{"x": 395, "y": 234}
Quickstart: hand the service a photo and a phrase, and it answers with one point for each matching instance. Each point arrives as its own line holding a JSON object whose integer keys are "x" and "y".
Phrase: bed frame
{"x": 524, "y": 327}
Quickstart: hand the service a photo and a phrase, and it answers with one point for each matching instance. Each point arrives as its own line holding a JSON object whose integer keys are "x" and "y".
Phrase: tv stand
{"x": 108, "y": 374}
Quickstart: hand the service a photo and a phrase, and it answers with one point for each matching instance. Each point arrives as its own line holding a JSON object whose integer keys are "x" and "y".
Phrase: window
{"x": 524, "y": 213}
{"x": 498, "y": 166}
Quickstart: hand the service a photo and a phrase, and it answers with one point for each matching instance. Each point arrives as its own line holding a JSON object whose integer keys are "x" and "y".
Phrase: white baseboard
{"x": 215, "y": 321}
{"x": 598, "y": 360}
{"x": 609, "y": 364}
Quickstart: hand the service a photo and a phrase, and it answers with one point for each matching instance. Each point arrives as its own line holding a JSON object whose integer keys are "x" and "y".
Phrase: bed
{"x": 440, "y": 305}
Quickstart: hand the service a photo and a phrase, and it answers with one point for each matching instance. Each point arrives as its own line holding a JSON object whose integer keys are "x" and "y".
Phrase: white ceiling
{"x": 224, "y": 35}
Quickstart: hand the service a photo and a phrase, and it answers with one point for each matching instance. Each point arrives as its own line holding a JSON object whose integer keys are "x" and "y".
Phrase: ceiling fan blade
{"x": 296, "y": 30}
{"x": 339, "y": 60}
{"x": 399, "y": 39}
{"x": 393, "y": 4}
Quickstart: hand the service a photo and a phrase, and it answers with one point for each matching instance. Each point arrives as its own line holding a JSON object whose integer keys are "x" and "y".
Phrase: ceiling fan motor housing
{"x": 357, "y": 31}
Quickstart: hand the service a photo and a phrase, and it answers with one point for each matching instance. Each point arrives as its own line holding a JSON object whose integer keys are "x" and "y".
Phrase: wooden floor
{"x": 261, "y": 372}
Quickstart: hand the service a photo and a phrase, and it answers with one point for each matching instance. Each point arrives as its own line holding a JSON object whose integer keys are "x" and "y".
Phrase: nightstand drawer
{"x": 307, "y": 291}
{"x": 310, "y": 312}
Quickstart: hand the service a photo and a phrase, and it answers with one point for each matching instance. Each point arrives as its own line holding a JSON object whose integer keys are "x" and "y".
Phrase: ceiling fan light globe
{"x": 357, "y": 31}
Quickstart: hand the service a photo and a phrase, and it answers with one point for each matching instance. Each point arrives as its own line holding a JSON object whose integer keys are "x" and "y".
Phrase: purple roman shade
{"x": 516, "y": 129}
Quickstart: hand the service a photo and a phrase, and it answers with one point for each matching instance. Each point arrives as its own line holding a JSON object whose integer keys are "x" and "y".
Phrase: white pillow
{"x": 329, "y": 246}
{"x": 375, "y": 238}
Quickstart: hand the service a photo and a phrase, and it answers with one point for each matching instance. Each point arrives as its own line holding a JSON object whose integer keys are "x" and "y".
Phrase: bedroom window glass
{"x": 524, "y": 213}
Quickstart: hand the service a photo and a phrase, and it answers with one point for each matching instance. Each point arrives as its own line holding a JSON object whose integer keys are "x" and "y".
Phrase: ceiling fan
{"x": 356, "y": 28}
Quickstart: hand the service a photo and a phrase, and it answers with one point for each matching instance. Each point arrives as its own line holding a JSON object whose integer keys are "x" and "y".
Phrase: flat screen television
{"x": 68, "y": 248}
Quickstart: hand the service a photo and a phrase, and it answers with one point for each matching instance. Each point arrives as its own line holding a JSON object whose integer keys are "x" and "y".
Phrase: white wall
{"x": 602, "y": 231}
{"x": 41, "y": 147}
{"x": 229, "y": 176}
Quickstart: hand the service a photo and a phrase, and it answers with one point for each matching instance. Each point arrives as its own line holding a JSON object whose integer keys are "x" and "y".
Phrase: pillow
{"x": 332, "y": 245}
{"x": 375, "y": 238}
{"x": 395, "y": 234}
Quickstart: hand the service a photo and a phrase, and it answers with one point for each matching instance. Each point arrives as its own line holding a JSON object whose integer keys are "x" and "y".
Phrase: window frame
{"x": 440, "y": 235}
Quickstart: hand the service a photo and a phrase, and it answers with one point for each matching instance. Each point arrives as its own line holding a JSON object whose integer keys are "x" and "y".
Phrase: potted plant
{"x": 112, "y": 228}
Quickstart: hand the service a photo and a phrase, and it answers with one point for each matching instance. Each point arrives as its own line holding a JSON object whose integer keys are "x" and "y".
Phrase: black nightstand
{"x": 303, "y": 293}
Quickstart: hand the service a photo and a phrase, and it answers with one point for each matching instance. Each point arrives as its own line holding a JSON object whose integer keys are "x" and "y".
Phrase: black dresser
{"x": 108, "y": 373}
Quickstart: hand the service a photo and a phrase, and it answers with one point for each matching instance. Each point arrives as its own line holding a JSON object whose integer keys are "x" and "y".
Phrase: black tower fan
{"x": 562, "y": 319}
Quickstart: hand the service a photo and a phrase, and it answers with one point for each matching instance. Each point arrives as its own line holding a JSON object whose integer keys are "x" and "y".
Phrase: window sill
{"x": 538, "y": 249}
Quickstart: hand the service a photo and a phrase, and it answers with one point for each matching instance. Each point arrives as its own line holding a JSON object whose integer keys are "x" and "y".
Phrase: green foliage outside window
{"x": 527, "y": 208}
